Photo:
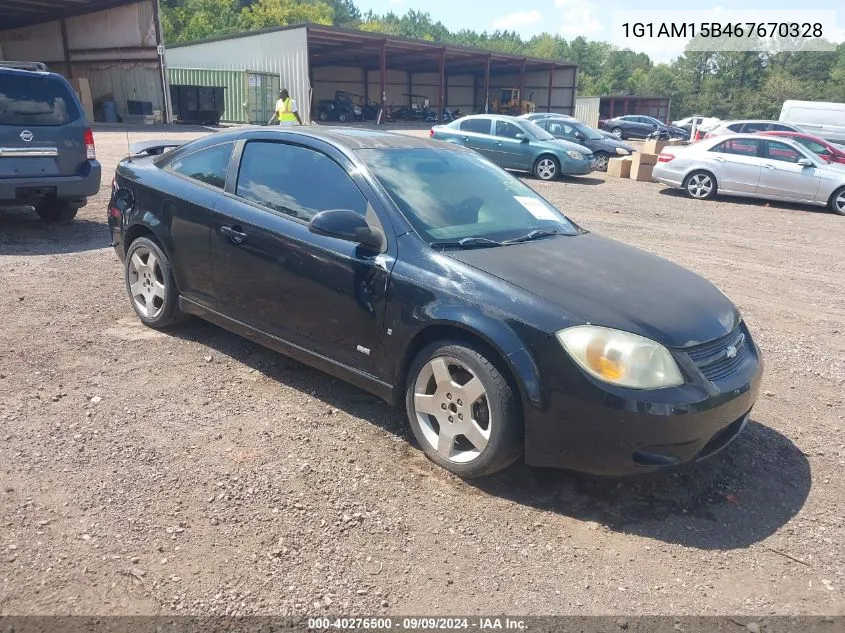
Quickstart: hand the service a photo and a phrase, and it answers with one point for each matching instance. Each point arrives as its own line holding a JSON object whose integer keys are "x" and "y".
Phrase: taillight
{"x": 431, "y": 132}
{"x": 665, "y": 158}
{"x": 90, "y": 151}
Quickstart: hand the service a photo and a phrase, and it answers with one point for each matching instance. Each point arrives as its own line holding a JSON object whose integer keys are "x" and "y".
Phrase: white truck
{"x": 820, "y": 118}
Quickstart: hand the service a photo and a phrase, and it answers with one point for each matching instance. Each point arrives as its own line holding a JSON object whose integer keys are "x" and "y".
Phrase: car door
{"x": 511, "y": 145}
{"x": 783, "y": 177}
{"x": 476, "y": 134}
{"x": 194, "y": 182}
{"x": 736, "y": 164}
{"x": 270, "y": 272}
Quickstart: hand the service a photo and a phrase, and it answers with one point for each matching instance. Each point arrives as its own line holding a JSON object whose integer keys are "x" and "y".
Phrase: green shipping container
{"x": 249, "y": 96}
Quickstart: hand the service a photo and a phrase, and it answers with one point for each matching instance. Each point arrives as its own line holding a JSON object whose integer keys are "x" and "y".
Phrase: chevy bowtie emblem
{"x": 731, "y": 351}
{"x": 26, "y": 136}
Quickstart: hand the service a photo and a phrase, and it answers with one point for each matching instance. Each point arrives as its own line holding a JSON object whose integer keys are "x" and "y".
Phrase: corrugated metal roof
{"x": 16, "y": 13}
{"x": 323, "y": 40}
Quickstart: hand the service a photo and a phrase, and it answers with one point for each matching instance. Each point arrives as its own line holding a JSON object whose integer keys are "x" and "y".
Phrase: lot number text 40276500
{"x": 718, "y": 29}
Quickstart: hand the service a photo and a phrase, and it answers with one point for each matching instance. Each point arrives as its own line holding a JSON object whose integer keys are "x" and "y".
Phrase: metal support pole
{"x": 382, "y": 79}
{"x": 65, "y": 50}
{"x": 487, "y": 85}
{"x": 167, "y": 115}
{"x": 551, "y": 85}
{"x": 440, "y": 104}
{"x": 521, "y": 87}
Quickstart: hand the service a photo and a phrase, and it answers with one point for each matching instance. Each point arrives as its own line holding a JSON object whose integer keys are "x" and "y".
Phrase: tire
{"x": 546, "y": 168}
{"x": 618, "y": 133}
{"x": 323, "y": 115}
{"x": 601, "y": 160}
{"x": 700, "y": 185}
{"x": 343, "y": 117}
{"x": 153, "y": 282}
{"x": 57, "y": 210}
{"x": 442, "y": 379}
{"x": 837, "y": 201}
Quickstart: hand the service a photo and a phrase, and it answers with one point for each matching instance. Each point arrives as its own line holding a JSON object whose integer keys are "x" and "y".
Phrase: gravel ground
{"x": 194, "y": 472}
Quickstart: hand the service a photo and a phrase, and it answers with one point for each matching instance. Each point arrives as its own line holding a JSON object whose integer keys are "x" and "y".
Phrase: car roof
{"x": 732, "y": 121}
{"x": 497, "y": 117}
{"x": 744, "y": 135}
{"x": 345, "y": 137}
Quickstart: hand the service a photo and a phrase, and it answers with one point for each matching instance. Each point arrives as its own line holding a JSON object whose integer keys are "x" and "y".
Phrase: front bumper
{"x": 576, "y": 167}
{"x": 63, "y": 187}
{"x": 601, "y": 430}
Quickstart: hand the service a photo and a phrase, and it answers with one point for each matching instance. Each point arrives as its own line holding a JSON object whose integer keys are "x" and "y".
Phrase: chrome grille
{"x": 720, "y": 358}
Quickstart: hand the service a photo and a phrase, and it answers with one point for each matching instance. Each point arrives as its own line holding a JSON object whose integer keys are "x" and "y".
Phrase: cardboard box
{"x": 653, "y": 146}
{"x": 642, "y": 173}
{"x": 619, "y": 167}
{"x": 674, "y": 142}
{"x": 83, "y": 91}
{"x": 642, "y": 158}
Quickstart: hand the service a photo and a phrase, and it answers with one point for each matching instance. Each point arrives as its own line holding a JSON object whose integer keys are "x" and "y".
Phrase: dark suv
{"x": 47, "y": 156}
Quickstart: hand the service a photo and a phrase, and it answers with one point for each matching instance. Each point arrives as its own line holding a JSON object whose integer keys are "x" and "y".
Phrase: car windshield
{"x": 536, "y": 131}
{"x": 450, "y": 195}
{"x": 35, "y": 100}
{"x": 586, "y": 130}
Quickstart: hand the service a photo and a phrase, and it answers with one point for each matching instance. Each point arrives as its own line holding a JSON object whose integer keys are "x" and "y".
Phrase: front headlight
{"x": 621, "y": 358}
{"x": 575, "y": 155}
{"x": 621, "y": 151}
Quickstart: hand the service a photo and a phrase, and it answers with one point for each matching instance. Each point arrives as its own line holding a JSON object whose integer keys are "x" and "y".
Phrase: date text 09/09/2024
{"x": 416, "y": 623}
{"x": 717, "y": 29}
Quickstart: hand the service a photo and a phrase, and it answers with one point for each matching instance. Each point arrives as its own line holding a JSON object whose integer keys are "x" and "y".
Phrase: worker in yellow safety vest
{"x": 286, "y": 113}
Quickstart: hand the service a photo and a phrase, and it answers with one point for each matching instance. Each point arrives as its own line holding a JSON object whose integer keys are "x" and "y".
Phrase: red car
{"x": 817, "y": 145}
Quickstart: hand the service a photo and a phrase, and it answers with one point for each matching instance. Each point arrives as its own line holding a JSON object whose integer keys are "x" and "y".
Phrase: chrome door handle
{"x": 234, "y": 235}
{"x": 720, "y": 159}
{"x": 767, "y": 166}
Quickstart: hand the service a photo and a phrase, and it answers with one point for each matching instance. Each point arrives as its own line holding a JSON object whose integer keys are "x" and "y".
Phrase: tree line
{"x": 728, "y": 84}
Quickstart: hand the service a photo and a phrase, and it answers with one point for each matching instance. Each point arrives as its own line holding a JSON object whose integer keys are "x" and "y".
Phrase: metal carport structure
{"x": 311, "y": 59}
{"x": 116, "y": 44}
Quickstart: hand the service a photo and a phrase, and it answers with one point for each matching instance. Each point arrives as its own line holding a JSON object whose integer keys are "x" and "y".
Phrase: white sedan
{"x": 754, "y": 166}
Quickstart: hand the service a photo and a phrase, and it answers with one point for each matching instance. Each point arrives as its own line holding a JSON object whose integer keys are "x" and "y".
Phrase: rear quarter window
{"x": 35, "y": 100}
{"x": 480, "y": 126}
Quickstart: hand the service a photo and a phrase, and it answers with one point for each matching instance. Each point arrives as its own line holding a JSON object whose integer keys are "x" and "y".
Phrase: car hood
{"x": 610, "y": 142}
{"x": 566, "y": 146}
{"x": 611, "y": 284}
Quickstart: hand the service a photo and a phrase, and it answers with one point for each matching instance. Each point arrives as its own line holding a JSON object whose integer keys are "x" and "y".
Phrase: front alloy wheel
{"x": 837, "y": 201}
{"x": 462, "y": 411}
{"x": 600, "y": 162}
{"x": 546, "y": 168}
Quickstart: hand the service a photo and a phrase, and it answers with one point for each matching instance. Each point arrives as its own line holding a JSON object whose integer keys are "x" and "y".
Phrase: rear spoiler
{"x": 153, "y": 148}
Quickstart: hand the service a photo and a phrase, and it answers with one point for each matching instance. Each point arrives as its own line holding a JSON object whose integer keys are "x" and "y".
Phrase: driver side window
{"x": 296, "y": 181}
{"x": 507, "y": 130}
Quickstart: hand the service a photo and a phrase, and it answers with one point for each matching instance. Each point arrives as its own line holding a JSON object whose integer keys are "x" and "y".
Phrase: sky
{"x": 591, "y": 18}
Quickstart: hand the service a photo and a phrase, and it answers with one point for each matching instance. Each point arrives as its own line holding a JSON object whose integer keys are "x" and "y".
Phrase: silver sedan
{"x": 754, "y": 166}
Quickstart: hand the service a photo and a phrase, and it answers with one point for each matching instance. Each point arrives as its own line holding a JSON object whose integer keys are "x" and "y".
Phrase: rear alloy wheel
{"x": 546, "y": 168}
{"x": 343, "y": 117}
{"x": 150, "y": 284}
{"x": 837, "y": 201}
{"x": 700, "y": 185}
{"x": 617, "y": 132}
{"x": 462, "y": 411}
{"x": 56, "y": 210}
{"x": 600, "y": 161}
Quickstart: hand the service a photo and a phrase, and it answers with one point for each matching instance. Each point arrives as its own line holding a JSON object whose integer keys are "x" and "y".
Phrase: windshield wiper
{"x": 533, "y": 235}
{"x": 467, "y": 242}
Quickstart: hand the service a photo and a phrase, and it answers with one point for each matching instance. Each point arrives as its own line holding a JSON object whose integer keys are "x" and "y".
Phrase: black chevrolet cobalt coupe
{"x": 423, "y": 273}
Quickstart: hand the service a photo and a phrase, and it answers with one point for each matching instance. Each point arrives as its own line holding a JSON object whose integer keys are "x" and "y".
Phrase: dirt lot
{"x": 196, "y": 472}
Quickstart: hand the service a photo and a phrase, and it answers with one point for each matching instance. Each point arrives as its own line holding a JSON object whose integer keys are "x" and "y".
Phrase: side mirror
{"x": 579, "y": 136}
{"x": 345, "y": 224}
{"x": 805, "y": 162}
{"x": 522, "y": 138}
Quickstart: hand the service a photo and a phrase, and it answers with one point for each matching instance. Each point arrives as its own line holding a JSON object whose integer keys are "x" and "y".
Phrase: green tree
{"x": 266, "y": 13}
